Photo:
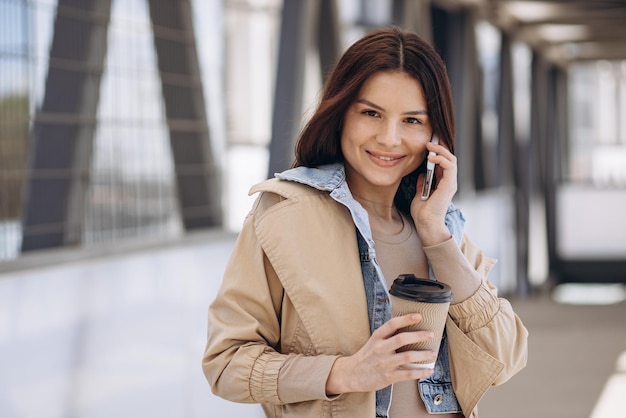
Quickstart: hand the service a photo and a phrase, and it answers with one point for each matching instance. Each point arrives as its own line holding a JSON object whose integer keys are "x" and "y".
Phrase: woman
{"x": 302, "y": 323}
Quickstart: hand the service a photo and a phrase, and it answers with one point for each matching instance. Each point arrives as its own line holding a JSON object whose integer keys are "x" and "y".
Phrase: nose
{"x": 389, "y": 134}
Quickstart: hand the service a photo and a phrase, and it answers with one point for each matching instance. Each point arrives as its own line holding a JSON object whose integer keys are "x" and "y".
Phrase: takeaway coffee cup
{"x": 431, "y": 299}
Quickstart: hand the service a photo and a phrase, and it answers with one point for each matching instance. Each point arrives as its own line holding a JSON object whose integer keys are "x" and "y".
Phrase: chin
{"x": 381, "y": 182}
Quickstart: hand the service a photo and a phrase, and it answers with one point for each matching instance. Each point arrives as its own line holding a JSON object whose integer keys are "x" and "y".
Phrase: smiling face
{"x": 384, "y": 133}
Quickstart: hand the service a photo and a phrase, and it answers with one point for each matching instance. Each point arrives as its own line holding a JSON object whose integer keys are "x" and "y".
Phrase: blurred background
{"x": 131, "y": 131}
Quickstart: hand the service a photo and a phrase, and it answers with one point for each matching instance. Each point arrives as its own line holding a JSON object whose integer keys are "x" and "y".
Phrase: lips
{"x": 385, "y": 160}
{"x": 382, "y": 157}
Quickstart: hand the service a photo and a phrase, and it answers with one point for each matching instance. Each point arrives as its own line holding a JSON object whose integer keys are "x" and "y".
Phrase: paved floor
{"x": 572, "y": 369}
{"x": 122, "y": 336}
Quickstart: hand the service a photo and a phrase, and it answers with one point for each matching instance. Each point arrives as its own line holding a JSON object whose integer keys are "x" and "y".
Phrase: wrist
{"x": 335, "y": 384}
{"x": 432, "y": 236}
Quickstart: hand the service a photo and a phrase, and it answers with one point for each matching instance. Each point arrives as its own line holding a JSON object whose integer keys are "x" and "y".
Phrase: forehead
{"x": 393, "y": 87}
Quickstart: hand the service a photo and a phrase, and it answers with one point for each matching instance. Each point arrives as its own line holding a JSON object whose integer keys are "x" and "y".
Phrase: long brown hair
{"x": 381, "y": 50}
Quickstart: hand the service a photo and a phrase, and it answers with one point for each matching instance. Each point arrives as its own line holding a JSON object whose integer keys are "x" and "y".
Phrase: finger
{"x": 439, "y": 154}
{"x": 447, "y": 160}
{"x": 443, "y": 165}
{"x": 396, "y": 323}
{"x": 438, "y": 148}
{"x": 410, "y": 357}
{"x": 405, "y": 338}
{"x": 409, "y": 373}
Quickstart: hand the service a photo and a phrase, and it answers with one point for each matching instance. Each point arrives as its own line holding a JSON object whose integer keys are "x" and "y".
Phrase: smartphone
{"x": 430, "y": 171}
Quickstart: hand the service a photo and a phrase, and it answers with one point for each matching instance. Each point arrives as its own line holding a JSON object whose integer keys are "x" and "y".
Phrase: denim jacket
{"x": 436, "y": 390}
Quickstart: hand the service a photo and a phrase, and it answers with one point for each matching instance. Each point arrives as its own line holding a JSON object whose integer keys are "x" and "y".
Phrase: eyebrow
{"x": 375, "y": 106}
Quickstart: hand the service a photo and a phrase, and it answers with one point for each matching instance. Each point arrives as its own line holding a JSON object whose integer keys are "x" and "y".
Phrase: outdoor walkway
{"x": 122, "y": 336}
{"x": 572, "y": 370}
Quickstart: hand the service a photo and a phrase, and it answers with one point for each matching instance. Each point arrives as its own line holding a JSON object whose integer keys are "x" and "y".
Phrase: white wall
{"x": 591, "y": 223}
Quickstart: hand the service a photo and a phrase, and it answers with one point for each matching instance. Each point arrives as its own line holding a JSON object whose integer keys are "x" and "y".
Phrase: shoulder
{"x": 281, "y": 194}
{"x": 286, "y": 211}
{"x": 283, "y": 188}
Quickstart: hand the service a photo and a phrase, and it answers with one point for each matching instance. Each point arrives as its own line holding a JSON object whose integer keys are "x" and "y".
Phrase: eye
{"x": 413, "y": 121}
{"x": 371, "y": 113}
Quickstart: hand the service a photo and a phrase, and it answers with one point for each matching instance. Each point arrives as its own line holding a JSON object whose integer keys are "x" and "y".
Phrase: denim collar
{"x": 325, "y": 177}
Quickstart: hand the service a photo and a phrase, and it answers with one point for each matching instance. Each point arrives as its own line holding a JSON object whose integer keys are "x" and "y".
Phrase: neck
{"x": 384, "y": 217}
{"x": 377, "y": 207}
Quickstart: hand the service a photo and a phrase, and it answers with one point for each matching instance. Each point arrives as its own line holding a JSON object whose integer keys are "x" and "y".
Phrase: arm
{"x": 480, "y": 321}
{"x": 242, "y": 361}
{"x": 483, "y": 318}
{"x": 243, "y": 326}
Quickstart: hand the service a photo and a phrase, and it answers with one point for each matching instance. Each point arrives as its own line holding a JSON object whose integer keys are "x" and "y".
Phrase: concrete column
{"x": 197, "y": 174}
{"x": 296, "y": 30}
{"x": 301, "y": 21}
{"x": 555, "y": 149}
{"x": 455, "y": 40}
{"x": 506, "y": 123}
{"x": 64, "y": 126}
{"x": 328, "y": 36}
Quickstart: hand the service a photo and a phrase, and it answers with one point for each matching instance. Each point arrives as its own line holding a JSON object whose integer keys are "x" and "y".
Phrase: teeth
{"x": 385, "y": 158}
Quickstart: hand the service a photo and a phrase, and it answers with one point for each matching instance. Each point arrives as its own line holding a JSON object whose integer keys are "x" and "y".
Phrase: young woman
{"x": 303, "y": 322}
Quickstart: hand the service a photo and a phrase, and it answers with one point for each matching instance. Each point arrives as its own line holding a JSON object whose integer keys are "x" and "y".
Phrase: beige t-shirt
{"x": 397, "y": 254}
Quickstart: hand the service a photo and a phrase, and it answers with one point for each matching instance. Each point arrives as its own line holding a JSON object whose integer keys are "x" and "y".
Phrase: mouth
{"x": 385, "y": 160}
{"x": 382, "y": 157}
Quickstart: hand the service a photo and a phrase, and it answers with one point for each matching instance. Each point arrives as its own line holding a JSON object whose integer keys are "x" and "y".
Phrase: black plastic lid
{"x": 409, "y": 287}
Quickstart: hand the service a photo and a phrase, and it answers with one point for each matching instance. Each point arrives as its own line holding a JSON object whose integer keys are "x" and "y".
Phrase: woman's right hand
{"x": 378, "y": 364}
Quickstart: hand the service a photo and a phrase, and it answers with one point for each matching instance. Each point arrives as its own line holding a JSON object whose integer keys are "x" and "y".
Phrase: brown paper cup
{"x": 431, "y": 299}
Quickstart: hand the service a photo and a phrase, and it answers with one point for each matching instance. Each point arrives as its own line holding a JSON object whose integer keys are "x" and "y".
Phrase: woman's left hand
{"x": 429, "y": 215}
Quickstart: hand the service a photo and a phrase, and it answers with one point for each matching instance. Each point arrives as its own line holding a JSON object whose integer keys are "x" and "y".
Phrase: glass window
{"x": 597, "y": 115}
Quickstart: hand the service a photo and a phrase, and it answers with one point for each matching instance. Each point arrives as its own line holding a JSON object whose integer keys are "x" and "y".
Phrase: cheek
{"x": 352, "y": 135}
{"x": 352, "y": 129}
{"x": 418, "y": 148}
{"x": 346, "y": 145}
{"x": 419, "y": 152}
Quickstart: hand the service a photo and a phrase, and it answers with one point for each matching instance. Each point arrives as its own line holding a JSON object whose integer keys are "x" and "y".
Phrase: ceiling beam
{"x": 563, "y": 31}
